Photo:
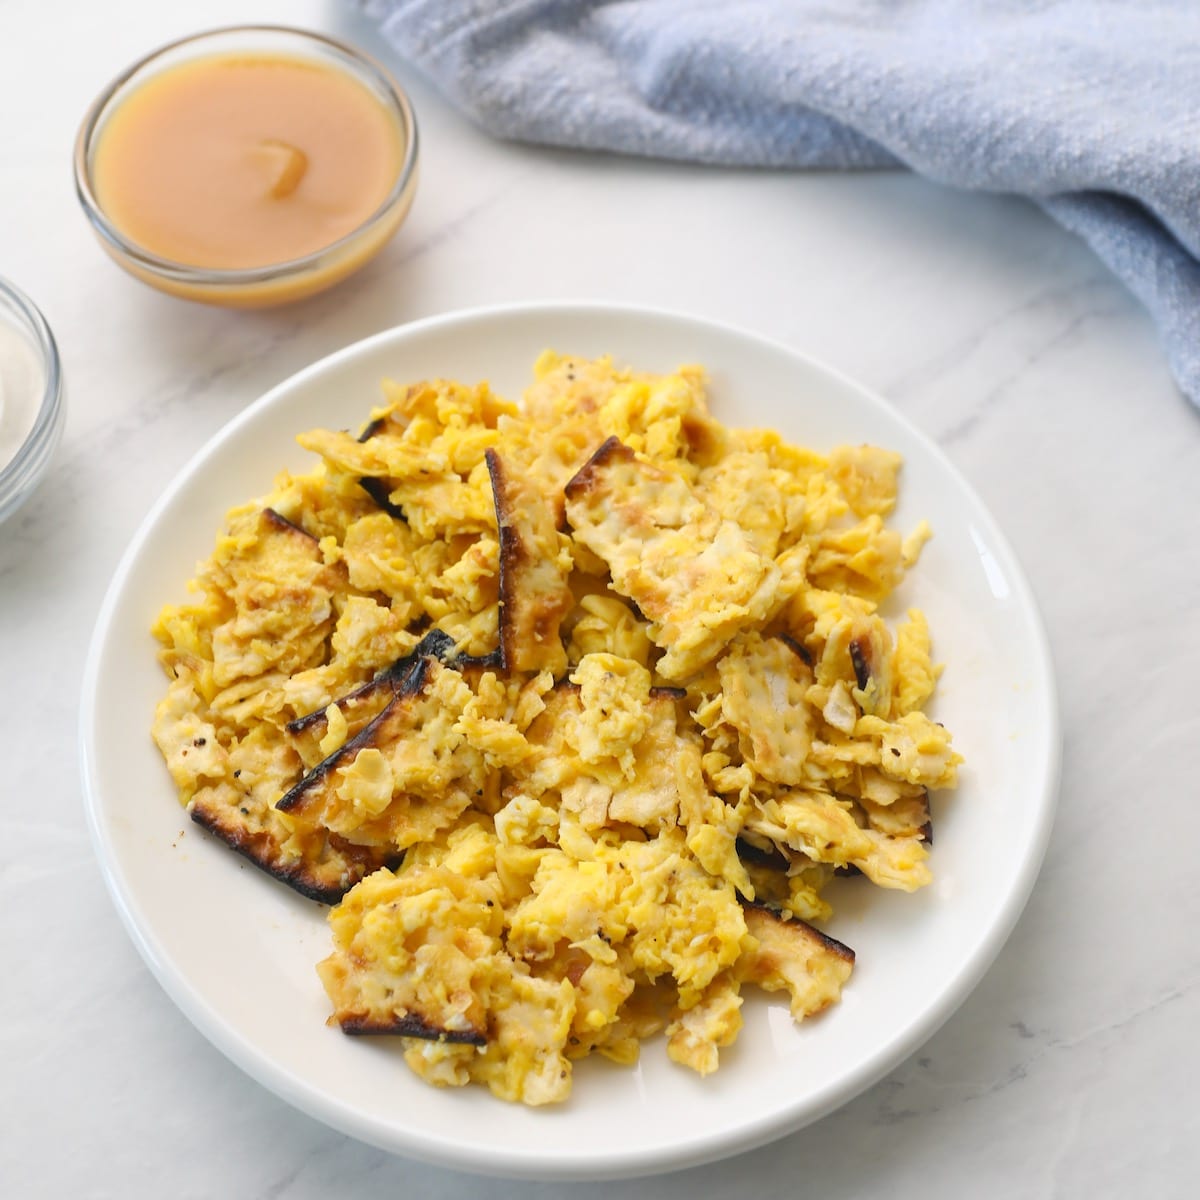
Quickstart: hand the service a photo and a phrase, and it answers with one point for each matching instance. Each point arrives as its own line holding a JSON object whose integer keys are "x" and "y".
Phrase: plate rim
{"x": 611, "y": 1163}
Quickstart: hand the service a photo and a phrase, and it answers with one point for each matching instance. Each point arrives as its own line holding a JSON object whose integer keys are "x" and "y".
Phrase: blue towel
{"x": 1089, "y": 107}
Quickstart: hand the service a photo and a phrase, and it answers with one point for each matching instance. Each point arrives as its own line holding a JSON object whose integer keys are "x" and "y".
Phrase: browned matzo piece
{"x": 403, "y": 777}
{"x": 696, "y": 577}
{"x": 638, "y": 792}
{"x": 305, "y": 793}
{"x": 534, "y": 595}
{"x": 763, "y": 682}
{"x": 316, "y": 863}
{"x": 795, "y": 956}
{"x": 280, "y": 592}
{"x": 424, "y": 986}
{"x": 229, "y": 785}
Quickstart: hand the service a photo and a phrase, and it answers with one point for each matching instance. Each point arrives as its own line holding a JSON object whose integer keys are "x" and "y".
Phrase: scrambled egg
{"x": 571, "y": 709}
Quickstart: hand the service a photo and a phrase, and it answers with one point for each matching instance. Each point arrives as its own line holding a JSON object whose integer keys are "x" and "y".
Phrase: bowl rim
{"x": 20, "y": 474}
{"x": 355, "y": 61}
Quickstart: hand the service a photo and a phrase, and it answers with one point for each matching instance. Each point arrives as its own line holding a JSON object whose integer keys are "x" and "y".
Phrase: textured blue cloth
{"x": 1090, "y": 107}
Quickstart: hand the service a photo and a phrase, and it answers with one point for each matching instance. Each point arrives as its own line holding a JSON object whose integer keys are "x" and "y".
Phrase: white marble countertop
{"x": 1071, "y": 1071}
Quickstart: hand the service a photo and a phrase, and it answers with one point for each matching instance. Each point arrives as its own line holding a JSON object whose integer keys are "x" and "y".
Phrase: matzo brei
{"x": 572, "y": 709}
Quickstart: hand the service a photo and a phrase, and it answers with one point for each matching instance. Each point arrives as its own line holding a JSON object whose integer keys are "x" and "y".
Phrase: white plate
{"x": 235, "y": 950}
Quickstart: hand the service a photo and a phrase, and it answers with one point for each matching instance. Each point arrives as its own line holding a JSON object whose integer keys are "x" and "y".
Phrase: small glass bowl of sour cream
{"x": 32, "y": 401}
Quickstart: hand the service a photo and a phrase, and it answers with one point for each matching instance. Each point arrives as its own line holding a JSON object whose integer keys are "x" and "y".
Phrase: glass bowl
{"x": 21, "y": 473}
{"x": 276, "y": 283}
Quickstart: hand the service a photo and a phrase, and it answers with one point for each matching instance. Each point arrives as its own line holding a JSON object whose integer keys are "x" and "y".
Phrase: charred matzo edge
{"x": 793, "y": 955}
{"x": 376, "y": 488}
{"x": 798, "y": 930}
{"x": 282, "y": 525}
{"x": 410, "y": 1025}
{"x": 798, "y": 647}
{"x": 435, "y": 644}
{"x": 774, "y": 859}
{"x": 531, "y": 610}
{"x": 584, "y": 480}
{"x": 413, "y": 683}
{"x": 858, "y": 658}
{"x": 512, "y": 555}
{"x": 325, "y": 882}
{"x": 378, "y": 491}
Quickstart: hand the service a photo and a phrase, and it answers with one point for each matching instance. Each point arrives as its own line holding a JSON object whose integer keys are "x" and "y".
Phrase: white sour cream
{"x": 21, "y": 385}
